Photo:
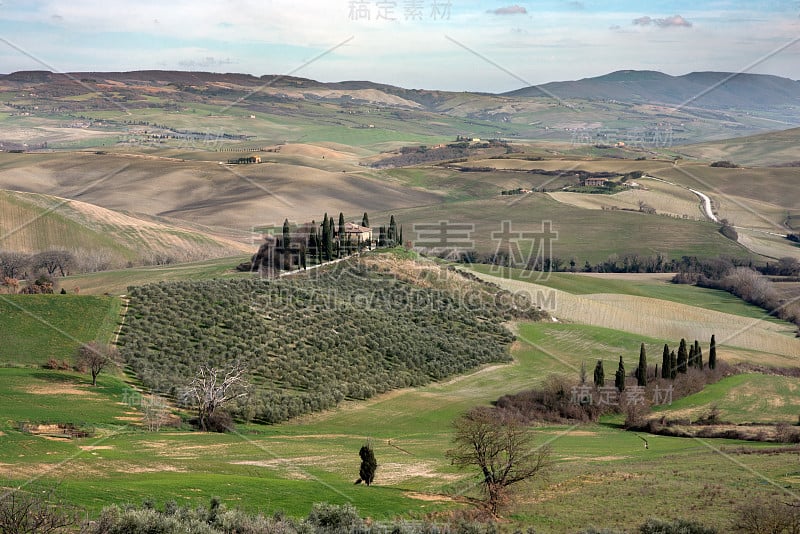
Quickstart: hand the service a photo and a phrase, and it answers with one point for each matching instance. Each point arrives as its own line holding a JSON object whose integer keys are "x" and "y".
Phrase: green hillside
{"x": 39, "y": 327}
{"x": 591, "y": 235}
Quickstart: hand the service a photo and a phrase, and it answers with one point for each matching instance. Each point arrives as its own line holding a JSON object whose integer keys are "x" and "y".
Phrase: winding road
{"x": 706, "y": 204}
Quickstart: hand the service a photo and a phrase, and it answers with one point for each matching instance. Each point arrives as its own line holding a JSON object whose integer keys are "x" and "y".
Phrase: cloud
{"x": 509, "y": 10}
{"x": 675, "y": 21}
{"x": 576, "y": 5}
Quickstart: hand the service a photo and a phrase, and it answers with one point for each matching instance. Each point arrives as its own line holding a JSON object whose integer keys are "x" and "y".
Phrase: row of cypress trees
{"x": 323, "y": 246}
{"x": 671, "y": 364}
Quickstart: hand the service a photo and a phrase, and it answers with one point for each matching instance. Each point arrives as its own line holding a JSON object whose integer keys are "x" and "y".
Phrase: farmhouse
{"x": 357, "y": 233}
{"x": 245, "y": 161}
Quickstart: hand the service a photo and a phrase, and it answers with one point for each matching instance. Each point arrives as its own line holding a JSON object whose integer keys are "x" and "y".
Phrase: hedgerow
{"x": 310, "y": 343}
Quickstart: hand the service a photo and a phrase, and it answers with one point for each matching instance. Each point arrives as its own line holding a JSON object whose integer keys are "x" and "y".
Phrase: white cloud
{"x": 667, "y": 22}
{"x": 509, "y": 10}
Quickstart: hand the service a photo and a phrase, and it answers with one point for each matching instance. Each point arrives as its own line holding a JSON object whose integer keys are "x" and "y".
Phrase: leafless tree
{"x": 155, "y": 411}
{"x": 32, "y": 512}
{"x": 501, "y": 447}
{"x": 13, "y": 264}
{"x": 95, "y": 357}
{"x": 212, "y": 389}
{"x": 54, "y": 261}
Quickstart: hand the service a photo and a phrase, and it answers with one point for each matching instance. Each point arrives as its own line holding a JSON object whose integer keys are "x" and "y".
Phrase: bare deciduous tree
{"x": 95, "y": 357}
{"x": 155, "y": 411}
{"x": 32, "y": 512}
{"x": 54, "y": 261}
{"x": 501, "y": 447}
{"x": 212, "y": 388}
{"x": 13, "y": 264}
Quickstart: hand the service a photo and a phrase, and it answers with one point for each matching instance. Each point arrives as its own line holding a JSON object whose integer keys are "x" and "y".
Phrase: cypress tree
{"x": 391, "y": 234}
{"x": 400, "y": 236}
{"x": 329, "y": 242}
{"x": 285, "y": 242}
{"x": 698, "y": 355}
{"x": 599, "y": 374}
{"x": 683, "y": 356}
{"x": 312, "y": 240}
{"x": 365, "y": 220}
{"x": 712, "y": 353}
{"x": 368, "y": 464}
{"x": 673, "y": 365}
{"x": 382, "y": 236}
{"x": 665, "y": 369}
{"x": 619, "y": 376}
{"x": 325, "y": 237}
{"x": 690, "y": 359}
{"x": 641, "y": 372}
{"x": 341, "y": 234}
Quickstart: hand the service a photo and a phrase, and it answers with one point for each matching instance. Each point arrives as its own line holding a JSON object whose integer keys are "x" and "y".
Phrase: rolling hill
{"x": 767, "y": 149}
{"x": 233, "y": 199}
{"x": 31, "y": 222}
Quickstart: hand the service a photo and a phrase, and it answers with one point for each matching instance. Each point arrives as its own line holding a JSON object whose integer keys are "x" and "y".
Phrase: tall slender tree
{"x": 312, "y": 240}
{"x": 712, "y": 354}
{"x": 619, "y": 376}
{"x": 698, "y": 355}
{"x": 365, "y": 220}
{"x": 673, "y": 365}
{"x": 683, "y": 356}
{"x": 641, "y": 371}
{"x": 328, "y": 238}
{"x": 690, "y": 359}
{"x": 665, "y": 369}
{"x": 286, "y": 236}
{"x": 368, "y": 464}
{"x": 599, "y": 374}
{"x": 342, "y": 235}
{"x": 391, "y": 233}
{"x": 325, "y": 237}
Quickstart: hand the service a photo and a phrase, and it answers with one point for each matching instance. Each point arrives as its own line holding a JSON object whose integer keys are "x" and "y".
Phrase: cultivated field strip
{"x": 661, "y": 319}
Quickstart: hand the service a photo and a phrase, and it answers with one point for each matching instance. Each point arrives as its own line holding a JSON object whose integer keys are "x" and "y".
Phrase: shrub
{"x": 334, "y": 519}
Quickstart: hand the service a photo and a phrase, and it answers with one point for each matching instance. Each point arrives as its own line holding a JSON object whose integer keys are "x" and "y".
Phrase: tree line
{"x": 300, "y": 246}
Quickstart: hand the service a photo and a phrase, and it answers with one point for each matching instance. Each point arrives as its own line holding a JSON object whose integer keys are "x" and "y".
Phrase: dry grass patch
{"x": 60, "y": 389}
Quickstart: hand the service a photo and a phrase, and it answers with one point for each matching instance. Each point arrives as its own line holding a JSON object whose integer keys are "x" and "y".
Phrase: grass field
{"x": 666, "y": 320}
{"x": 655, "y": 286}
{"x": 591, "y": 235}
{"x": 290, "y": 466}
{"x": 117, "y": 282}
{"x": 39, "y": 327}
{"x": 745, "y": 398}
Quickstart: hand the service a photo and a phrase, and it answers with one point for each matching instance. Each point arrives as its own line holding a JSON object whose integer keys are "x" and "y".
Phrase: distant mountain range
{"x": 715, "y": 90}
{"x": 697, "y": 89}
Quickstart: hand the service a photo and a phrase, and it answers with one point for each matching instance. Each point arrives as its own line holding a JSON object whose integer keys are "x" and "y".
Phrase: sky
{"x": 457, "y": 45}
